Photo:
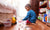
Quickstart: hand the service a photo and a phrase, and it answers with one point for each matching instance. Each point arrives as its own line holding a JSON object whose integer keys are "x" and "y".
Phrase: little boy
{"x": 31, "y": 16}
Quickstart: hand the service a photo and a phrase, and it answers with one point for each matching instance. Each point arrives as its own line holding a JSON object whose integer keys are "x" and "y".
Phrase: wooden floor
{"x": 38, "y": 26}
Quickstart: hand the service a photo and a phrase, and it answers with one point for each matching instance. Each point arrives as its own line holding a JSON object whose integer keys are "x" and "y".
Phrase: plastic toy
{"x": 39, "y": 17}
{"x": 45, "y": 17}
{"x": 22, "y": 25}
{"x": 13, "y": 20}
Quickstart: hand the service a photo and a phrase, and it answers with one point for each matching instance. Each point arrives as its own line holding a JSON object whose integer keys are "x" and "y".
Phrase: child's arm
{"x": 28, "y": 14}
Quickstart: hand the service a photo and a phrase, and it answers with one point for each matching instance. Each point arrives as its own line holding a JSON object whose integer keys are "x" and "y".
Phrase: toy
{"x": 22, "y": 25}
{"x": 39, "y": 17}
{"x": 45, "y": 17}
{"x": 7, "y": 23}
{"x": 13, "y": 20}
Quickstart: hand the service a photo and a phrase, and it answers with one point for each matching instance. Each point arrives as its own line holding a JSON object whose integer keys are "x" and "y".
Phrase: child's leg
{"x": 28, "y": 22}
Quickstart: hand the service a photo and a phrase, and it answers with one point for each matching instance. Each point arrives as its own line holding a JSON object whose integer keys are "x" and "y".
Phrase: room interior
{"x": 9, "y": 8}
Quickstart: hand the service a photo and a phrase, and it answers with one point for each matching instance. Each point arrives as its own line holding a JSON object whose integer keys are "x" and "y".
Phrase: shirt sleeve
{"x": 28, "y": 14}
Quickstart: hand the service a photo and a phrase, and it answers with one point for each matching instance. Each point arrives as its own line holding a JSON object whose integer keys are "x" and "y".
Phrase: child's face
{"x": 27, "y": 8}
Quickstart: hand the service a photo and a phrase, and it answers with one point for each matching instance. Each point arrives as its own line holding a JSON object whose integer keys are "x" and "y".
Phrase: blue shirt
{"x": 31, "y": 16}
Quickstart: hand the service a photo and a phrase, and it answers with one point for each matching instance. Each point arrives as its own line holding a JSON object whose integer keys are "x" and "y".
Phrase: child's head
{"x": 28, "y": 7}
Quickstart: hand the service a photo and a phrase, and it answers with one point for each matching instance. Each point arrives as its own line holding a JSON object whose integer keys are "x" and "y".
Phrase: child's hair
{"x": 28, "y": 5}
